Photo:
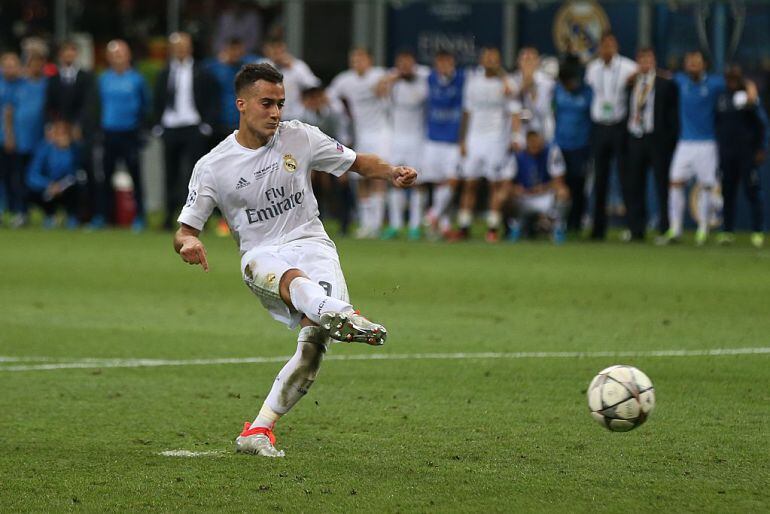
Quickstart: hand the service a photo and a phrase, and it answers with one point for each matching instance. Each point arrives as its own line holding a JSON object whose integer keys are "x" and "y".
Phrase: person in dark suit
{"x": 185, "y": 109}
{"x": 71, "y": 97}
{"x": 653, "y": 129}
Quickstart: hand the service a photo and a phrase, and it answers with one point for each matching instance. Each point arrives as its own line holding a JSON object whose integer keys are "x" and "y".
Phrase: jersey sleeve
{"x": 327, "y": 154}
{"x": 556, "y": 166}
{"x": 201, "y": 198}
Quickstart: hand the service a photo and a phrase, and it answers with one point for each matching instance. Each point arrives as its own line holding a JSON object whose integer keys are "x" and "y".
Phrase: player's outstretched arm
{"x": 370, "y": 165}
{"x": 189, "y": 247}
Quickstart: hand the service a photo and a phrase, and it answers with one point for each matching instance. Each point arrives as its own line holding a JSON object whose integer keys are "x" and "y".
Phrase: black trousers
{"x": 68, "y": 200}
{"x": 643, "y": 153}
{"x": 576, "y": 164}
{"x": 608, "y": 146}
{"x": 182, "y": 147}
{"x": 125, "y": 146}
{"x": 13, "y": 169}
{"x": 738, "y": 165}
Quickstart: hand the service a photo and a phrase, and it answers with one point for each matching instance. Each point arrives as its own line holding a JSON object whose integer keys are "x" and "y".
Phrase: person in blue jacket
{"x": 9, "y": 81}
{"x": 125, "y": 102}
{"x": 25, "y": 114}
{"x": 572, "y": 112}
{"x": 52, "y": 175}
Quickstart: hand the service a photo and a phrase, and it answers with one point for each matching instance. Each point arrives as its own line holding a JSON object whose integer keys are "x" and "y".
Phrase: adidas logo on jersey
{"x": 242, "y": 183}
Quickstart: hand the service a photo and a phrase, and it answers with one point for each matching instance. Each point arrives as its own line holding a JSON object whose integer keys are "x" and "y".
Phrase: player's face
{"x": 35, "y": 66}
{"x": 693, "y": 64}
{"x": 608, "y": 48}
{"x": 60, "y": 135}
{"x": 360, "y": 61}
{"x": 490, "y": 60}
{"x": 529, "y": 60}
{"x": 118, "y": 55}
{"x": 260, "y": 106}
{"x": 445, "y": 64}
{"x": 646, "y": 62}
{"x": 534, "y": 143}
{"x": 405, "y": 64}
{"x": 11, "y": 66}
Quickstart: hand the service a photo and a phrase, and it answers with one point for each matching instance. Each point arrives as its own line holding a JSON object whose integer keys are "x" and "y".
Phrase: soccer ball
{"x": 621, "y": 398}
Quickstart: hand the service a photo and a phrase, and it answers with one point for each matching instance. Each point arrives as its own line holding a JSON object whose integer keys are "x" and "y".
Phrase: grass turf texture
{"x": 421, "y": 435}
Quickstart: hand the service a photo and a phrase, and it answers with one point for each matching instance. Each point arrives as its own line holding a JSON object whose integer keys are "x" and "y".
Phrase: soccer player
{"x": 485, "y": 142}
{"x": 359, "y": 87}
{"x": 539, "y": 187}
{"x": 442, "y": 149}
{"x": 408, "y": 88}
{"x": 696, "y": 152}
{"x": 533, "y": 95}
{"x": 259, "y": 177}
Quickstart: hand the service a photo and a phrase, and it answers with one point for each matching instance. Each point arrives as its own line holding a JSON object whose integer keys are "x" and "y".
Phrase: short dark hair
{"x": 233, "y": 41}
{"x": 406, "y": 51}
{"x": 606, "y": 35}
{"x": 250, "y": 73}
{"x": 312, "y": 91}
{"x": 645, "y": 50}
{"x": 442, "y": 52}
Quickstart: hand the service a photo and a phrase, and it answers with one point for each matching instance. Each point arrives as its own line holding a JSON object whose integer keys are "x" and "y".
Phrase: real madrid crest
{"x": 578, "y": 27}
{"x": 289, "y": 163}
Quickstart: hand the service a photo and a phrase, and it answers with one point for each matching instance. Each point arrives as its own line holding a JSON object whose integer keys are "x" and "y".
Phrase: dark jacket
{"x": 205, "y": 95}
{"x": 74, "y": 102}
{"x": 666, "y": 111}
{"x": 739, "y": 129}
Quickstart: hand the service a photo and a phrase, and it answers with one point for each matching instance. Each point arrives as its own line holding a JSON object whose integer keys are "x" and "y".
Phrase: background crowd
{"x": 531, "y": 150}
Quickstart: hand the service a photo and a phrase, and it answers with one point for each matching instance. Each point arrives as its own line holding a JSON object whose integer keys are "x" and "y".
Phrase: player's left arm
{"x": 373, "y": 166}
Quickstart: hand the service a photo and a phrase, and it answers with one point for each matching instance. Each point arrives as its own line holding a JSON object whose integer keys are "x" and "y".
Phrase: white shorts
{"x": 263, "y": 267}
{"x": 489, "y": 160}
{"x": 376, "y": 143}
{"x": 407, "y": 152}
{"x": 542, "y": 203}
{"x": 697, "y": 159}
{"x": 440, "y": 162}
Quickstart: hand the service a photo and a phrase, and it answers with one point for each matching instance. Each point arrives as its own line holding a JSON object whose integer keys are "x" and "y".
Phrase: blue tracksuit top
{"x": 697, "y": 106}
{"x": 50, "y": 164}
{"x": 125, "y": 100}
{"x": 572, "y": 111}
{"x": 28, "y": 101}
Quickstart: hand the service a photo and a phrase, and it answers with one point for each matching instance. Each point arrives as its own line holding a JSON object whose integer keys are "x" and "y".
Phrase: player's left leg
{"x": 290, "y": 385}
{"x": 707, "y": 160}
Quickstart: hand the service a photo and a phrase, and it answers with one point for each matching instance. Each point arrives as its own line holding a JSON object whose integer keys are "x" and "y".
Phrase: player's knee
{"x": 286, "y": 279}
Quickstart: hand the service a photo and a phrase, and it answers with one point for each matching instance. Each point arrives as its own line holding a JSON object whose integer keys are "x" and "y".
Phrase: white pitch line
{"x": 149, "y": 363}
{"x": 188, "y": 453}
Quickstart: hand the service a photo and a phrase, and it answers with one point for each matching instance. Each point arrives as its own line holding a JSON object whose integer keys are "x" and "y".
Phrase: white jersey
{"x": 368, "y": 111}
{"x": 265, "y": 194}
{"x": 487, "y": 105}
{"x": 407, "y": 98}
{"x": 534, "y": 105}
{"x": 296, "y": 78}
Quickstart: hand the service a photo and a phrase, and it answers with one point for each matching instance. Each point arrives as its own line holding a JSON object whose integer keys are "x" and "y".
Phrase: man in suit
{"x": 653, "y": 129}
{"x": 71, "y": 97}
{"x": 185, "y": 109}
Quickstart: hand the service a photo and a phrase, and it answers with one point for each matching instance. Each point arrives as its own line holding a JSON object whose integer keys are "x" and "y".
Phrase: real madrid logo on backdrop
{"x": 578, "y": 26}
{"x": 289, "y": 163}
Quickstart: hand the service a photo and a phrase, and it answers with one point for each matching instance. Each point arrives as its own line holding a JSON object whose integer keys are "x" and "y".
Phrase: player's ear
{"x": 240, "y": 104}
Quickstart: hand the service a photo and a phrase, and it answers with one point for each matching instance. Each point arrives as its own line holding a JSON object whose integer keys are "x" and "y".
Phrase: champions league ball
{"x": 621, "y": 398}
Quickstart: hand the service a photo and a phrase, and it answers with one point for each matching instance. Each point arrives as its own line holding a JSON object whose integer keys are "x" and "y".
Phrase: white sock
{"x": 311, "y": 300}
{"x": 676, "y": 209}
{"x": 493, "y": 220}
{"x": 704, "y": 209}
{"x": 464, "y": 218}
{"x": 295, "y": 378}
{"x": 396, "y": 203}
{"x": 416, "y": 206}
{"x": 378, "y": 210}
{"x": 441, "y": 199}
{"x": 365, "y": 212}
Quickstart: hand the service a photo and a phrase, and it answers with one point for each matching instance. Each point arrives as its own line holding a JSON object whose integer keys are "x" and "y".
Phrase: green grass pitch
{"x": 479, "y": 434}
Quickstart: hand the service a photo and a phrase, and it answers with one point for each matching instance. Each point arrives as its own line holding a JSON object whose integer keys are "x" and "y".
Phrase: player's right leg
{"x": 681, "y": 171}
